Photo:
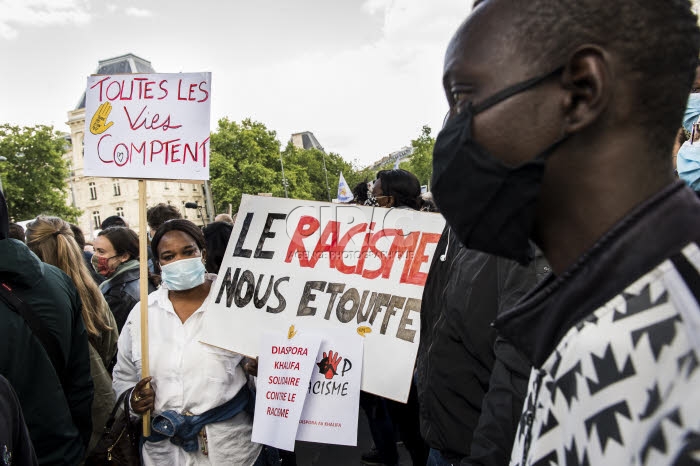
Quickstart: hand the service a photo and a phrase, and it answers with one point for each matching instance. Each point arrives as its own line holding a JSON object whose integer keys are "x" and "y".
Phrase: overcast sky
{"x": 363, "y": 75}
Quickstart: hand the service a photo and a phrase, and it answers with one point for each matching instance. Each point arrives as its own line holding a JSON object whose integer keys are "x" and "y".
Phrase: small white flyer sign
{"x": 284, "y": 371}
{"x": 331, "y": 409}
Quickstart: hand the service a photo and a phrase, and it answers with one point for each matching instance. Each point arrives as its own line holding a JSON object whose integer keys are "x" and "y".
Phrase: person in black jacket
{"x": 117, "y": 259}
{"x": 15, "y": 445}
{"x": 469, "y": 402}
{"x": 56, "y": 399}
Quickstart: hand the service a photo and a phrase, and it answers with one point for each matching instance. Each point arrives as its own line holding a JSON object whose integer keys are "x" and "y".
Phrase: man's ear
{"x": 587, "y": 80}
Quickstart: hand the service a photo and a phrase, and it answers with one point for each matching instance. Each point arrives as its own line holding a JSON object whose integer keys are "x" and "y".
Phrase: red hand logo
{"x": 329, "y": 364}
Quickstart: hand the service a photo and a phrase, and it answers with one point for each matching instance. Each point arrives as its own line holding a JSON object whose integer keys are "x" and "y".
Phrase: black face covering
{"x": 489, "y": 205}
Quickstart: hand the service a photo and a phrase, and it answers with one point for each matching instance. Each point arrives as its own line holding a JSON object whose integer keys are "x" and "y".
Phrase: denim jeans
{"x": 435, "y": 458}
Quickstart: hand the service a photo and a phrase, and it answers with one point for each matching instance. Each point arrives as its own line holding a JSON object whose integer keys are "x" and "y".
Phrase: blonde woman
{"x": 52, "y": 240}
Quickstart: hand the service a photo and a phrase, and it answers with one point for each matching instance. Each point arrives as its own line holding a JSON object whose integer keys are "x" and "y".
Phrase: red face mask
{"x": 101, "y": 265}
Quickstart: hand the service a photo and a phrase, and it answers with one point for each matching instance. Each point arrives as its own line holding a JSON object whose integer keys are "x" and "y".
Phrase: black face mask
{"x": 489, "y": 205}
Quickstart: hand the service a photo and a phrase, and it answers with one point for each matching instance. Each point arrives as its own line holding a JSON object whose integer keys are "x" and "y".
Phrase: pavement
{"x": 319, "y": 454}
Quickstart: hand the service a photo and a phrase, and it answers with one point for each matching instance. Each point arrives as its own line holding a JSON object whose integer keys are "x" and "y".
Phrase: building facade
{"x": 100, "y": 198}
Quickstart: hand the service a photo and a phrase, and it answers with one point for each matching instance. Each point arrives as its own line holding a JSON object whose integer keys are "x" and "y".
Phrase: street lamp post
{"x": 284, "y": 179}
{"x": 325, "y": 171}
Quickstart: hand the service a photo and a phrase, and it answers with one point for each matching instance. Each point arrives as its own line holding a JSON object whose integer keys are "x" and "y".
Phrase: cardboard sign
{"x": 148, "y": 126}
{"x": 284, "y": 370}
{"x": 330, "y": 412}
{"x": 319, "y": 266}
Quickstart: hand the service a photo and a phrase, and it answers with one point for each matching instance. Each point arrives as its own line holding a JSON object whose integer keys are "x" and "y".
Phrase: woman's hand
{"x": 250, "y": 366}
{"x": 143, "y": 397}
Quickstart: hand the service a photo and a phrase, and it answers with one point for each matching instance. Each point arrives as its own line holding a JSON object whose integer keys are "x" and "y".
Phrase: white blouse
{"x": 188, "y": 376}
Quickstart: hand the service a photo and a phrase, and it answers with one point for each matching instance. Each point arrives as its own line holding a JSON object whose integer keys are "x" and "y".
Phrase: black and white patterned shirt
{"x": 622, "y": 386}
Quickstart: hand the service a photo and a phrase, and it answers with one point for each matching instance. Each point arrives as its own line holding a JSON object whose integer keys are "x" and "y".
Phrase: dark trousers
{"x": 407, "y": 421}
{"x": 381, "y": 427}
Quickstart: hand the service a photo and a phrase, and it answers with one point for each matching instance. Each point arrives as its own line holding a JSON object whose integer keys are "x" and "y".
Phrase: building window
{"x": 93, "y": 190}
{"x": 166, "y": 186}
{"x": 194, "y": 187}
{"x": 117, "y": 188}
{"x": 182, "y": 188}
{"x": 96, "y": 219}
{"x": 120, "y": 211}
{"x": 184, "y": 210}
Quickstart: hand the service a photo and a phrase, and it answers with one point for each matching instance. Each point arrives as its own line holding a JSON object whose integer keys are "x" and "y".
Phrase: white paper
{"x": 148, "y": 126}
{"x": 356, "y": 268}
{"x": 331, "y": 408}
{"x": 284, "y": 370}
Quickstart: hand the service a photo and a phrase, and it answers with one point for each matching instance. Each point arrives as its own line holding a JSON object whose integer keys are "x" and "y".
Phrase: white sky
{"x": 363, "y": 75}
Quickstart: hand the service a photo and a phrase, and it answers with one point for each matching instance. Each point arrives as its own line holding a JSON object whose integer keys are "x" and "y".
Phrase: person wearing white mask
{"x": 198, "y": 394}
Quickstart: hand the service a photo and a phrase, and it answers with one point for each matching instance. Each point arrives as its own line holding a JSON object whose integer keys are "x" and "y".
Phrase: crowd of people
{"x": 560, "y": 320}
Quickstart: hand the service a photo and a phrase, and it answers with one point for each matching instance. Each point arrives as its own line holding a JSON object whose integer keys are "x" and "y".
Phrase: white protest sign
{"x": 319, "y": 266}
{"x": 284, "y": 370}
{"x": 331, "y": 408}
{"x": 148, "y": 126}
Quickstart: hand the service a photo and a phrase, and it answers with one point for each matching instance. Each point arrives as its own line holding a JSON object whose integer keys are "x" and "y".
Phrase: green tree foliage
{"x": 310, "y": 163}
{"x": 245, "y": 159}
{"x": 421, "y": 162}
{"x": 34, "y": 174}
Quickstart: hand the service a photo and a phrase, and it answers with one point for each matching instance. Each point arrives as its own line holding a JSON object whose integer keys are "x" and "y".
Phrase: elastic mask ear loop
{"x": 512, "y": 90}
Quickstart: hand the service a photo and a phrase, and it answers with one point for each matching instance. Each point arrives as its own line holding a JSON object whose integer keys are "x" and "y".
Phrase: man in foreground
{"x": 591, "y": 95}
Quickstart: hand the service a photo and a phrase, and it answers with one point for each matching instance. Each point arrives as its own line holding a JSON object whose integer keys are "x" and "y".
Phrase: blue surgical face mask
{"x": 692, "y": 112}
{"x": 184, "y": 274}
{"x": 688, "y": 163}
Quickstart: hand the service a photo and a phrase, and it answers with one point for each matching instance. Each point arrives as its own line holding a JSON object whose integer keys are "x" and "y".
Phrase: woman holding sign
{"x": 199, "y": 395}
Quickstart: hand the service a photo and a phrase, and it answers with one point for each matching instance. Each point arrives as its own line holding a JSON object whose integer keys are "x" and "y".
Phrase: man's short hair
{"x": 113, "y": 221}
{"x": 656, "y": 42}
{"x": 16, "y": 232}
{"x": 161, "y": 213}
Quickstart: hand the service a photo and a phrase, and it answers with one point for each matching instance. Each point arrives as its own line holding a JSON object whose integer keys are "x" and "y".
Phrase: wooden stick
{"x": 143, "y": 264}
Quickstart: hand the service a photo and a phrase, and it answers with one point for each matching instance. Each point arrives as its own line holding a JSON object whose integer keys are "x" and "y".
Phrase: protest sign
{"x": 319, "y": 266}
{"x": 148, "y": 126}
{"x": 331, "y": 408}
{"x": 284, "y": 370}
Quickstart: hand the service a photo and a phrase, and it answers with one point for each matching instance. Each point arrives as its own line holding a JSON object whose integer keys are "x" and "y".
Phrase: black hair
{"x": 113, "y": 221}
{"x": 17, "y": 232}
{"x": 656, "y": 43}
{"x": 177, "y": 224}
{"x": 124, "y": 241}
{"x": 403, "y": 186}
{"x": 360, "y": 192}
{"x": 78, "y": 235}
{"x": 161, "y": 213}
{"x": 216, "y": 236}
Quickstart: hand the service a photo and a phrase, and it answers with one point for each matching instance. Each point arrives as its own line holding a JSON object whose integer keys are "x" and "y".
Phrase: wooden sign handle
{"x": 143, "y": 264}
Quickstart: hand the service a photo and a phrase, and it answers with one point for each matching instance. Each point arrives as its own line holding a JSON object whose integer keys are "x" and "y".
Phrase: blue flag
{"x": 344, "y": 192}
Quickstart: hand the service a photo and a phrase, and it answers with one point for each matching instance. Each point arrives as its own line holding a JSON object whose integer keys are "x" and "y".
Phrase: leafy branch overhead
{"x": 35, "y": 173}
{"x": 247, "y": 159}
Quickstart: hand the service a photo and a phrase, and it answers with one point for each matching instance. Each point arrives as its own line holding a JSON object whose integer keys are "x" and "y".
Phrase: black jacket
{"x": 122, "y": 293}
{"x": 59, "y": 419}
{"x": 14, "y": 437}
{"x": 456, "y": 364}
